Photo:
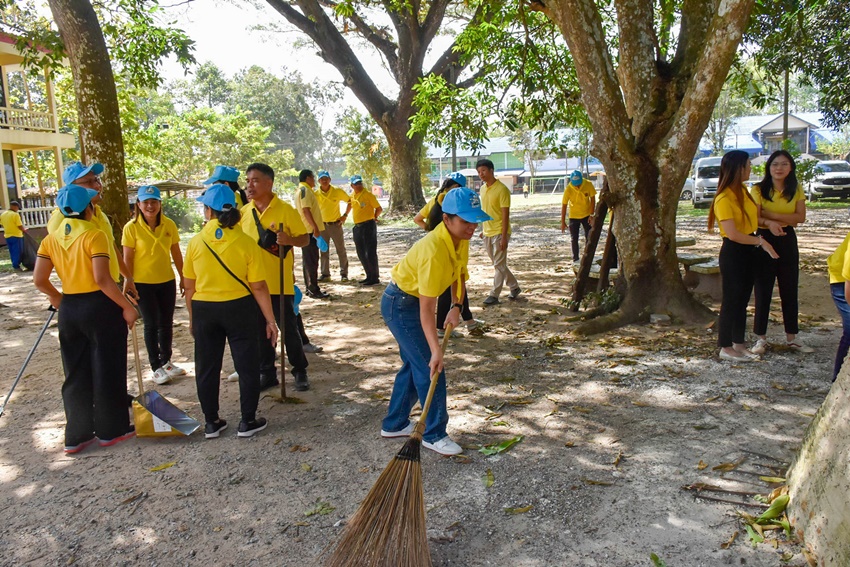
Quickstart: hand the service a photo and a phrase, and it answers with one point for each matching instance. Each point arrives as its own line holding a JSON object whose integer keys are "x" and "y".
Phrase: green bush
{"x": 182, "y": 213}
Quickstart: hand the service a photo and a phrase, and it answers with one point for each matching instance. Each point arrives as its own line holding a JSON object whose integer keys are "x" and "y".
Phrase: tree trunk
{"x": 97, "y": 102}
{"x": 405, "y": 156}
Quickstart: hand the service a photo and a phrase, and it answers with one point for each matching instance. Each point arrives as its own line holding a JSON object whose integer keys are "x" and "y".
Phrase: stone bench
{"x": 704, "y": 277}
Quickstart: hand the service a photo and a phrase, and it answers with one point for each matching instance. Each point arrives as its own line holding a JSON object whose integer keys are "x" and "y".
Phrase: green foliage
{"x": 211, "y": 87}
{"x": 608, "y": 300}
{"x": 364, "y": 147}
{"x": 839, "y": 148}
{"x": 182, "y": 212}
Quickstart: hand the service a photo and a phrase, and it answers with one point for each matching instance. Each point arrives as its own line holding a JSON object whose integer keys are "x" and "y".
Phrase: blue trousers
{"x": 15, "y": 243}
{"x": 401, "y": 314}
{"x": 837, "y": 290}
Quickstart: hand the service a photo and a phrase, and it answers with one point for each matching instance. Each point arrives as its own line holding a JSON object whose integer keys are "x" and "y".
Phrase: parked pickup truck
{"x": 706, "y": 176}
{"x": 832, "y": 179}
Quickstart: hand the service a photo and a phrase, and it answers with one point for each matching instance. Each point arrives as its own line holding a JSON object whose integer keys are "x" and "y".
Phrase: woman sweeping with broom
{"x": 433, "y": 264}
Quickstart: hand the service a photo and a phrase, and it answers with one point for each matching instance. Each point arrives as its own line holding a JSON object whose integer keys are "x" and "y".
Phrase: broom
{"x": 388, "y": 530}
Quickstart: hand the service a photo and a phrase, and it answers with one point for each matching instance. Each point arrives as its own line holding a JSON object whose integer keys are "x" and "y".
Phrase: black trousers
{"x": 93, "y": 344}
{"x": 292, "y": 338}
{"x": 444, "y": 304}
{"x": 234, "y": 322}
{"x": 156, "y": 303}
{"x": 302, "y": 332}
{"x": 574, "y": 234}
{"x": 786, "y": 272}
{"x": 366, "y": 242}
{"x": 737, "y": 272}
{"x": 310, "y": 264}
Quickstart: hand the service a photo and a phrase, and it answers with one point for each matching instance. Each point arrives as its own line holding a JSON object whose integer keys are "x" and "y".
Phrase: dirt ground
{"x": 612, "y": 428}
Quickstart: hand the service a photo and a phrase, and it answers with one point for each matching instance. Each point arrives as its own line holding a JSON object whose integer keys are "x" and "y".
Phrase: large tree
{"x": 403, "y": 47}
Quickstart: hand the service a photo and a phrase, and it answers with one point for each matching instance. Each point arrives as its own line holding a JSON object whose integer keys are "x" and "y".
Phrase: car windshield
{"x": 834, "y": 167}
{"x": 708, "y": 172}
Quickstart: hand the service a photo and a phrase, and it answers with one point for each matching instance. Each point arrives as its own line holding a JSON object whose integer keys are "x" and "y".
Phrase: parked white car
{"x": 832, "y": 180}
{"x": 687, "y": 193}
{"x": 706, "y": 176}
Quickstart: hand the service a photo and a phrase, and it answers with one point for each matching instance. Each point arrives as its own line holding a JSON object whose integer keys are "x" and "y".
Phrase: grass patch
{"x": 686, "y": 209}
{"x": 831, "y": 204}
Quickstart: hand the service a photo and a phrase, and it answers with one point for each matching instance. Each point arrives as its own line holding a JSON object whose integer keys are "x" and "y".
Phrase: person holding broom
{"x": 93, "y": 320}
{"x": 226, "y": 289}
{"x": 434, "y": 263}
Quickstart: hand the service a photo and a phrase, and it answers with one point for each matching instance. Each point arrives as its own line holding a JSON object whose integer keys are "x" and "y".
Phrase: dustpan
{"x": 153, "y": 415}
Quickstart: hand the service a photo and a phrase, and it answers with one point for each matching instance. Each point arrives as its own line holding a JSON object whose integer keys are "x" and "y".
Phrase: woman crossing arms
{"x": 150, "y": 241}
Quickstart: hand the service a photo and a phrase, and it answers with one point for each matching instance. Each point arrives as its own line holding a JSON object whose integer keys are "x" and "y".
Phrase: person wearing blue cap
{"x": 330, "y": 196}
{"x": 311, "y": 215}
{"x": 366, "y": 211}
{"x": 496, "y": 202}
{"x": 93, "y": 320}
{"x": 580, "y": 198}
{"x": 225, "y": 292}
{"x": 227, "y": 175}
{"x": 436, "y": 262}
{"x": 150, "y": 241}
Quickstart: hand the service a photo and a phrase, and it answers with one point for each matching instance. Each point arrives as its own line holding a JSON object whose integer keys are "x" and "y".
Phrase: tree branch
{"x": 373, "y": 35}
{"x": 637, "y": 71}
{"x": 450, "y": 58}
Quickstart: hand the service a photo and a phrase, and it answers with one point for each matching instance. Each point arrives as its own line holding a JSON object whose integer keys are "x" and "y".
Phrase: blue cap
{"x": 458, "y": 178}
{"x": 75, "y": 170}
{"x": 223, "y": 173}
{"x": 322, "y": 173}
{"x": 73, "y": 199}
{"x": 218, "y": 197}
{"x": 355, "y": 179}
{"x": 465, "y": 203}
{"x": 148, "y": 192}
{"x": 576, "y": 177}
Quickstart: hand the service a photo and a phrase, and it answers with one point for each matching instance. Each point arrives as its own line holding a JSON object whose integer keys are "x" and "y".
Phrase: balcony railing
{"x": 36, "y": 217}
{"x": 18, "y": 118}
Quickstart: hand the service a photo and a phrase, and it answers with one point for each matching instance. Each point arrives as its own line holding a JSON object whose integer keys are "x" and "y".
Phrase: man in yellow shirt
{"x": 365, "y": 233}
{"x": 13, "y": 230}
{"x": 311, "y": 215}
{"x": 580, "y": 198}
{"x": 330, "y": 197}
{"x": 496, "y": 202}
{"x": 274, "y": 214}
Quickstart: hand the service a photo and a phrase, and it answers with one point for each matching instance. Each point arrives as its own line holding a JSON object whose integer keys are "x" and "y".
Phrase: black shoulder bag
{"x": 268, "y": 238}
{"x": 223, "y": 265}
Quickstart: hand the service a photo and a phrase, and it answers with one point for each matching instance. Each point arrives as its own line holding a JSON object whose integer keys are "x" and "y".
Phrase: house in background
{"x": 762, "y": 135}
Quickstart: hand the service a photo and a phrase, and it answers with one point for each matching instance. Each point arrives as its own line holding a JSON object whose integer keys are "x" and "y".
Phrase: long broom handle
{"x": 420, "y": 426}
{"x": 282, "y": 253}
{"x": 29, "y": 356}
{"x": 136, "y": 359}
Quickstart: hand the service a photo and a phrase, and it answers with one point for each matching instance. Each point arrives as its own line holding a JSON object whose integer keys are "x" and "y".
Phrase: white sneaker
{"x": 473, "y": 324}
{"x": 160, "y": 376}
{"x": 444, "y": 446}
{"x": 173, "y": 371}
{"x": 313, "y": 349}
{"x": 760, "y": 347}
{"x": 408, "y": 429}
{"x": 233, "y": 377}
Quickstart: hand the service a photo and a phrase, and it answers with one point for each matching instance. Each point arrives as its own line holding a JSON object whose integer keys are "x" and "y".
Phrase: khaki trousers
{"x": 333, "y": 231}
{"x": 499, "y": 258}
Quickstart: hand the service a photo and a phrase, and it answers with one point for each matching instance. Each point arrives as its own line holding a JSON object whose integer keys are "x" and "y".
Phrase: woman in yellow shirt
{"x": 225, "y": 283}
{"x": 434, "y": 263}
{"x": 839, "y": 286}
{"x": 150, "y": 242}
{"x": 737, "y": 214}
{"x": 781, "y": 206}
{"x": 93, "y": 321}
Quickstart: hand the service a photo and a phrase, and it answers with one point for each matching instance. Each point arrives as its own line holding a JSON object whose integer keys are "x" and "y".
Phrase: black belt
{"x": 364, "y": 222}
{"x": 334, "y": 222}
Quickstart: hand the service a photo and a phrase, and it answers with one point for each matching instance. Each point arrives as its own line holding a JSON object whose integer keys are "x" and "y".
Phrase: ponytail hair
{"x": 236, "y": 189}
{"x": 228, "y": 218}
{"x": 435, "y": 217}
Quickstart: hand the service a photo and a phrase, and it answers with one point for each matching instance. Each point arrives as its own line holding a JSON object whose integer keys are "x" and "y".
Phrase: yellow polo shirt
{"x": 12, "y": 224}
{"x": 329, "y": 202}
{"x": 494, "y": 198}
{"x": 101, "y": 221}
{"x": 726, "y": 207}
{"x": 578, "y": 199}
{"x": 432, "y": 264}
{"x": 277, "y": 213}
{"x": 838, "y": 262}
{"x": 305, "y": 198}
{"x": 152, "y": 258}
{"x": 363, "y": 206}
{"x": 71, "y": 248}
{"x": 777, "y": 204}
{"x": 238, "y": 252}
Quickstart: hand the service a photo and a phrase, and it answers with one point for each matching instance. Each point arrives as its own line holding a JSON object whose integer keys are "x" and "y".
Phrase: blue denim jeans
{"x": 401, "y": 314}
{"x": 837, "y": 290}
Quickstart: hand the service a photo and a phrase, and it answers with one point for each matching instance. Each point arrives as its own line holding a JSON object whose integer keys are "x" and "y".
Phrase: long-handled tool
{"x": 389, "y": 527}
{"x": 283, "y": 254}
{"x": 29, "y": 356}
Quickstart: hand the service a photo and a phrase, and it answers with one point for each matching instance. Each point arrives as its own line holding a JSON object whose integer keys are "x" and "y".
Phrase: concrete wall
{"x": 819, "y": 480}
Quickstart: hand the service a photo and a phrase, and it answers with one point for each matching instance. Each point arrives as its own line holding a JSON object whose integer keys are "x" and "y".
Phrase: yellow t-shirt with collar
{"x": 152, "y": 258}
{"x": 363, "y": 206}
{"x": 727, "y": 207}
{"x": 578, "y": 199}
{"x": 838, "y": 262}
{"x": 494, "y": 198}
{"x": 305, "y": 198}
{"x": 71, "y": 247}
{"x": 277, "y": 213}
{"x": 101, "y": 221}
{"x": 777, "y": 204}
{"x": 329, "y": 202}
{"x": 238, "y": 252}
{"x": 12, "y": 224}
{"x": 432, "y": 264}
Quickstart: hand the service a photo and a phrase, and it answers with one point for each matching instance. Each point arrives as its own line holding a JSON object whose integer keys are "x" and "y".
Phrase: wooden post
{"x": 587, "y": 256}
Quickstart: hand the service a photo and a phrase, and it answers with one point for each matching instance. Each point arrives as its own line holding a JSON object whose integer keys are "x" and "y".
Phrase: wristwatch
{"x": 458, "y": 305}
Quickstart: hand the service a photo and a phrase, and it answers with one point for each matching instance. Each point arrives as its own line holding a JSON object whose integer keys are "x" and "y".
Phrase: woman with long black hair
{"x": 737, "y": 215}
{"x": 781, "y": 205}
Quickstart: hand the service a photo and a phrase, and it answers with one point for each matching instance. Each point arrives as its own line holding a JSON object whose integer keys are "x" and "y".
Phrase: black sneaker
{"x": 214, "y": 428}
{"x": 248, "y": 429}
{"x": 301, "y": 383}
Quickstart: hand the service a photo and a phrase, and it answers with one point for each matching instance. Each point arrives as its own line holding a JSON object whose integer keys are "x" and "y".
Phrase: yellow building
{"x": 25, "y": 127}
